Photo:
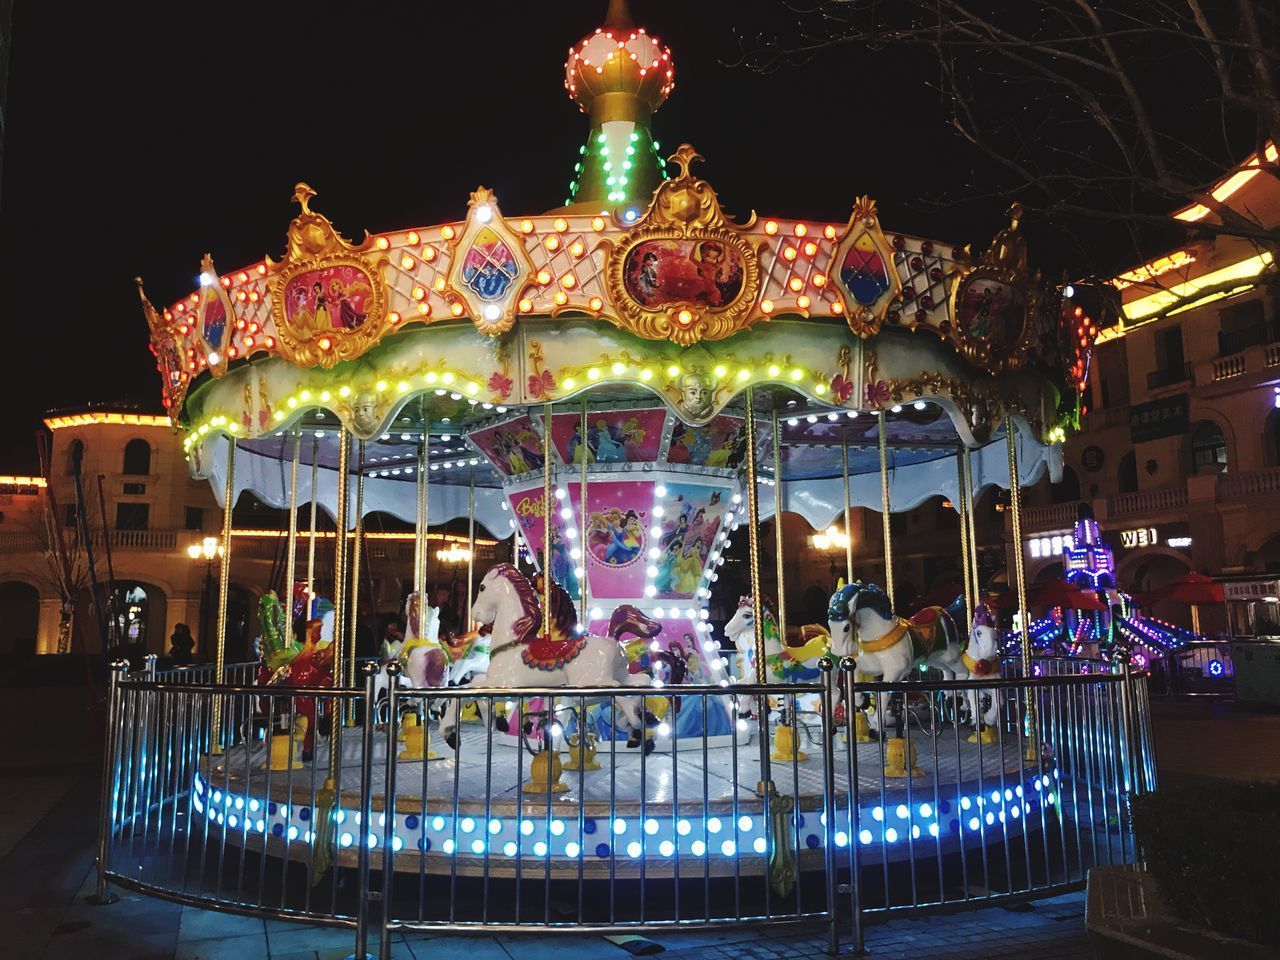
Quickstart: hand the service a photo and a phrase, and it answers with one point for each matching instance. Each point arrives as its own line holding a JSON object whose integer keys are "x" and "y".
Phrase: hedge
{"x": 1214, "y": 850}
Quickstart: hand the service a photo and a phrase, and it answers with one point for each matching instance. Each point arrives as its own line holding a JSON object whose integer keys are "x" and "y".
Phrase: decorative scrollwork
{"x": 685, "y": 273}
{"x": 328, "y": 298}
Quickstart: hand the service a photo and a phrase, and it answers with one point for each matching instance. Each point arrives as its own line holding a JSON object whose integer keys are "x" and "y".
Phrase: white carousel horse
{"x": 783, "y": 662}
{"x": 519, "y": 657}
{"x": 427, "y": 661}
{"x": 864, "y": 626}
{"x": 979, "y": 660}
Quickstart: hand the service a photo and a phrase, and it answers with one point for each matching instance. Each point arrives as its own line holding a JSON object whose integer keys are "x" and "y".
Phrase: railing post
{"x": 1133, "y": 761}
{"x": 828, "y": 801}
{"x": 366, "y": 812}
{"x": 101, "y": 895}
{"x": 849, "y": 697}
{"x": 389, "y": 804}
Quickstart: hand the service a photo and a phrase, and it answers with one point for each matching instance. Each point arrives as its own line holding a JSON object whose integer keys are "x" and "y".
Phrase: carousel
{"x": 619, "y": 388}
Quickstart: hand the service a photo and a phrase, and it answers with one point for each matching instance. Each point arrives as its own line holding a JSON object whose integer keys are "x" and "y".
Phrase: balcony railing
{"x": 1167, "y": 378}
{"x": 1051, "y": 516}
{"x": 1225, "y": 368}
{"x": 1147, "y": 501}
{"x": 1238, "y": 486}
{"x": 1236, "y": 341}
{"x": 120, "y": 540}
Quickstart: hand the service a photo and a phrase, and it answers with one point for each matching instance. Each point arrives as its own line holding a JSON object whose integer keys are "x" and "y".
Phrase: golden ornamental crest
{"x": 488, "y": 266}
{"x": 328, "y": 299}
{"x": 168, "y": 349}
{"x": 993, "y": 301}
{"x": 866, "y": 278}
{"x": 685, "y": 273}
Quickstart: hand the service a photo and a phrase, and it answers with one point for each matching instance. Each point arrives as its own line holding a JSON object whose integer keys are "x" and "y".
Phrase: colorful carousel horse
{"x": 864, "y": 626}
{"x": 565, "y": 656}
{"x": 309, "y": 664}
{"x": 792, "y": 662}
{"x": 426, "y": 660}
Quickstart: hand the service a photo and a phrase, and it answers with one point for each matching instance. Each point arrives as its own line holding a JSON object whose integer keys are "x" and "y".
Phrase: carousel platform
{"x": 688, "y": 809}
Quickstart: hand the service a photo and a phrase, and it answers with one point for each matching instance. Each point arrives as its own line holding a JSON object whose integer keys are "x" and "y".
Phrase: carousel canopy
{"x": 640, "y": 305}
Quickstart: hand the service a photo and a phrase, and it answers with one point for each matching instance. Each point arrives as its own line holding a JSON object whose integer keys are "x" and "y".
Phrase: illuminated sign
{"x": 1141, "y": 537}
{"x": 1050, "y": 546}
{"x": 1179, "y": 541}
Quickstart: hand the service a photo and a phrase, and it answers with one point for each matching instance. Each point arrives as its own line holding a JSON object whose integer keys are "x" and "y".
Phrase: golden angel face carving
{"x": 684, "y": 273}
{"x": 327, "y": 296}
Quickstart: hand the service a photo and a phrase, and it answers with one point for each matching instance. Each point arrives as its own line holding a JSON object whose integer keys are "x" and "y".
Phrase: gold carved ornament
{"x": 1003, "y": 265}
{"x": 485, "y": 223}
{"x": 684, "y": 209}
{"x": 212, "y": 291}
{"x": 314, "y": 246}
{"x": 863, "y": 232}
{"x": 165, "y": 338}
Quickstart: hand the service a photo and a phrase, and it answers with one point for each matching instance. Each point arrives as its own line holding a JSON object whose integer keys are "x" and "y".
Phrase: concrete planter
{"x": 1127, "y": 919}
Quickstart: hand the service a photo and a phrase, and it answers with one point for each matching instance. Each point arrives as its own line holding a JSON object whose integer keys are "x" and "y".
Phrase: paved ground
{"x": 48, "y": 809}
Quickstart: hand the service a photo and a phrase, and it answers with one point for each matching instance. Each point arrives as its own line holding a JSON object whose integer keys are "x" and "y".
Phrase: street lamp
{"x": 208, "y": 550}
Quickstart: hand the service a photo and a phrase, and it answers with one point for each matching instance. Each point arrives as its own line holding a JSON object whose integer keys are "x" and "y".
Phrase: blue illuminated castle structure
{"x": 1122, "y": 627}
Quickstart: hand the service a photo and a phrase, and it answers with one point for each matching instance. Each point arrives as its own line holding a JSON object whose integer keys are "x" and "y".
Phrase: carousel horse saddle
{"x": 552, "y": 653}
{"x": 927, "y": 631}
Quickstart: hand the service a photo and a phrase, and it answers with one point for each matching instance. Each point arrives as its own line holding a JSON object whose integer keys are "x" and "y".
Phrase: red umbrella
{"x": 1055, "y": 593}
{"x": 1191, "y": 588}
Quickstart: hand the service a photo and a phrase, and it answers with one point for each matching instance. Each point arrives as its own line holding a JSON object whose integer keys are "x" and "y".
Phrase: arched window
{"x": 1208, "y": 448}
{"x": 75, "y": 453}
{"x": 137, "y": 458}
{"x": 1271, "y": 438}
{"x": 1127, "y": 474}
{"x": 1066, "y": 491}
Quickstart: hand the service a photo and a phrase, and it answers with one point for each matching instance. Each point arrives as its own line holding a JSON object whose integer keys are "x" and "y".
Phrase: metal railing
{"x": 1144, "y": 501}
{"x": 330, "y": 806}
{"x": 1236, "y": 341}
{"x": 1168, "y": 377}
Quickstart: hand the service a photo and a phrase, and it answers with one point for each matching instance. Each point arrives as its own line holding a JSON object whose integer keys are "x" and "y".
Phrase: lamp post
{"x": 208, "y": 550}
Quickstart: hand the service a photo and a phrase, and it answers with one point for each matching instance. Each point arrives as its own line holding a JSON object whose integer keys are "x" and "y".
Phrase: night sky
{"x": 140, "y": 136}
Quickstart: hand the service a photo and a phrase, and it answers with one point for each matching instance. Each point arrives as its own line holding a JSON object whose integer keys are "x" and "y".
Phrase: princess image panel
{"x": 529, "y": 513}
{"x": 617, "y": 536}
{"x": 660, "y": 273}
{"x": 513, "y": 447}
{"x": 722, "y": 443}
{"x": 688, "y": 518}
{"x": 614, "y": 436}
{"x": 327, "y": 299}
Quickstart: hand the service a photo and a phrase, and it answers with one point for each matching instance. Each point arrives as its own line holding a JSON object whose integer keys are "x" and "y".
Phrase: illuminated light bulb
{"x": 796, "y": 284}
{"x": 484, "y": 213}
{"x": 646, "y": 374}
{"x": 819, "y": 280}
{"x": 492, "y": 312}
{"x": 617, "y": 368}
{"x": 801, "y": 229}
{"x": 744, "y": 374}
{"x": 774, "y": 370}
{"x": 766, "y": 306}
{"x": 685, "y": 317}
{"x": 428, "y": 253}
{"x": 456, "y": 309}
{"x": 525, "y": 305}
{"x": 447, "y": 378}
{"x": 408, "y": 262}
{"x": 593, "y": 373}
{"x": 569, "y": 383}
{"x": 544, "y": 277}
{"x": 561, "y": 298}
{"x": 447, "y": 232}
{"x": 552, "y": 242}
{"x": 789, "y": 253}
{"x": 673, "y": 371}
{"x": 440, "y": 284}
{"x": 720, "y": 371}
{"x": 770, "y": 227}
{"x": 576, "y": 248}
{"x": 595, "y": 303}
{"x": 383, "y": 243}
{"x": 837, "y": 307}
{"x": 802, "y": 302}
{"x": 797, "y": 374}
{"x": 597, "y": 224}
{"x": 829, "y": 232}
{"x": 419, "y": 293}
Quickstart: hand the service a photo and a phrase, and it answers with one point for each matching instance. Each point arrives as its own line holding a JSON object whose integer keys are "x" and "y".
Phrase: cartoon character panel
{"x": 721, "y": 443}
{"x": 613, "y": 436}
{"x": 528, "y": 509}
{"x": 331, "y": 298}
{"x": 513, "y": 447}
{"x": 690, "y": 517}
{"x": 617, "y": 535}
{"x": 663, "y": 272}
{"x": 675, "y": 655}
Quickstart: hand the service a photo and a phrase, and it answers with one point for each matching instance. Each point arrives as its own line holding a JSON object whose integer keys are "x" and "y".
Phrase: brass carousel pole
{"x": 1020, "y": 577}
{"x": 962, "y": 510}
{"x": 341, "y": 512}
{"x": 972, "y": 527}
{"x": 546, "y": 520}
{"x": 848, "y": 509}
{"x": 311, "y": 546}
{"x": 753, "y": 542}
{"x": 291, "y": 565}
{"x": 885, "y": 511}
{"x": 420, "y": 521}
{"x": 777, "y": 524}
{"x": 356, "y": 549}
{"x": 471, "y": 546}
{"x": 582, "y": 497}
{"x": 224, "y": 587}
